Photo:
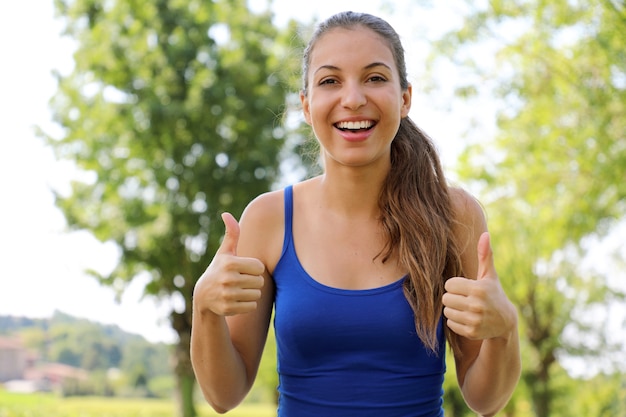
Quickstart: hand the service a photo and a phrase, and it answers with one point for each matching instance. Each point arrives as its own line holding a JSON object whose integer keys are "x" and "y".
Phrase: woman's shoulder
{"x": 262, "y": 228}
{"x": 468, "y": 224}
{"x": 269, "y": 208}
{"x": 265, "y": 205}
{"x": 263, "y": 224}
{"x": 466, "y": 208}
{"x": 264, "y": 213}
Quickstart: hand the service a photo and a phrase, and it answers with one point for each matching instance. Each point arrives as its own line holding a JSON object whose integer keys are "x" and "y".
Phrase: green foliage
{"x": 453, "y": 402}
{"x": 606, "y": 398}
{"x": 265, "y": 389}
{"x": 173, "y": 108}
{"x": 554, "y": 173}
{"x": 161, "y": 386}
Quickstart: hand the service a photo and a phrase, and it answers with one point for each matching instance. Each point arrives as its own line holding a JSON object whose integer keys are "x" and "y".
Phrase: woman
{"x": 370, "y": 266}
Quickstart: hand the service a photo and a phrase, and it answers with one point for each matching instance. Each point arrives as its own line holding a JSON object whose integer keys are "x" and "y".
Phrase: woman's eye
{"x": 377, "y": 78}
{"x": 328, "y": 81}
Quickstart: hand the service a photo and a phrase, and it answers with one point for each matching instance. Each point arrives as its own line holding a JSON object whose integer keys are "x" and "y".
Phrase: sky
{"x": 41, "y": 264}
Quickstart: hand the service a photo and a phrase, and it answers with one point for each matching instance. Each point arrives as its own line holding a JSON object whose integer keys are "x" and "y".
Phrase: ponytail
{"x": 417, "y": 218}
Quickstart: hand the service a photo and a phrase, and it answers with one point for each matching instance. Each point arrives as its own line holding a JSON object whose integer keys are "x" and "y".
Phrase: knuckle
{"x": 221, "y": 309}
{"x": 476, "y": 306}
{"x": 473, "y": 334}
{"x": 260, "y": 282}
{"x": 444, "y": 298}
{"x": 479, "y": 292}
{"x": 474, "y": 323}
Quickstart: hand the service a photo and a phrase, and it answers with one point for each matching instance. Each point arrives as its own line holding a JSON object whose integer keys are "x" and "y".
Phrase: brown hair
{"x": 416, "y": 210}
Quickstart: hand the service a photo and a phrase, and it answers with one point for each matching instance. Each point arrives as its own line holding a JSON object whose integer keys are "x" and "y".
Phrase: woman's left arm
{"x": 477, "y": 309}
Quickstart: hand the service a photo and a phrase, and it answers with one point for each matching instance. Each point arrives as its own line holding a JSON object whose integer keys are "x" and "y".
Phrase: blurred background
{"x": 127, "y": 127}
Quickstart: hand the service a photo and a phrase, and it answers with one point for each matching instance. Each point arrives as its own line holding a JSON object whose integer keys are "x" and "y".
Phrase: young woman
{"x": 370, "y": 266}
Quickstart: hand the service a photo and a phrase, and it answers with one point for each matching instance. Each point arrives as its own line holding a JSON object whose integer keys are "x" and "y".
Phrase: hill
{"x": 101, "y": 350}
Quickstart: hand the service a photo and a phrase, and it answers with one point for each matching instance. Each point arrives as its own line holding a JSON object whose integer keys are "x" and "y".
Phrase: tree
{"x": 553, "y": 176}
{"x": 172, "y": 114}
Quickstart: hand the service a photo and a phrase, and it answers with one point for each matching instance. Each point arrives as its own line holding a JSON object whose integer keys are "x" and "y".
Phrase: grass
{"x": 49, "y": 405}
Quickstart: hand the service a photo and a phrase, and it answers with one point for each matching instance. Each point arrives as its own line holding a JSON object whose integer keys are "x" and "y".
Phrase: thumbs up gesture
{"x": 231, "y": 284}
{"x": 479, "y": 309}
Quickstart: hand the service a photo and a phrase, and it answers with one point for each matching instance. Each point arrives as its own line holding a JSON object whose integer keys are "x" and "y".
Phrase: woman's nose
{"x": 353, "y": 96}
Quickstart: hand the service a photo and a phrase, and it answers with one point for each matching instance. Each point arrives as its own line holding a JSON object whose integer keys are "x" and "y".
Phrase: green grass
{"x": 49, "y": 405}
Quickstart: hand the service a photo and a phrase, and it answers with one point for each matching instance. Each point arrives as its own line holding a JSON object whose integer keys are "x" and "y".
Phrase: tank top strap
{"x": 288, "y": 218}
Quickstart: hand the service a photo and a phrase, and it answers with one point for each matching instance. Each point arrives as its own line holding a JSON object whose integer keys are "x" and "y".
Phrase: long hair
{"x": 416, "y": 209}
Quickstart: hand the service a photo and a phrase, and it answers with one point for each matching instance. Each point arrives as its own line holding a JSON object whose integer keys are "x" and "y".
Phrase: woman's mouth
{"x": 355, "y": 126}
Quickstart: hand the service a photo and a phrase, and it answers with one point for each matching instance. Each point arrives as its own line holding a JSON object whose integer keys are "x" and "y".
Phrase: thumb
{"x": 231, "y": 236}
{"x": 486, "y": 267}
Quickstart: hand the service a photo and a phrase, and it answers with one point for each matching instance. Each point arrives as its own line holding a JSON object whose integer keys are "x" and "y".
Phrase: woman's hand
{"x": 479, "y": 309}
{"x": 231, "y": 284}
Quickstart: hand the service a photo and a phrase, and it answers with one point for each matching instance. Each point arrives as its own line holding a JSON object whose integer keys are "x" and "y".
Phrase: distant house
{"x": 13, "y": 359}
{"x": 57, "y": 377}
{"x": 20, "y": 372}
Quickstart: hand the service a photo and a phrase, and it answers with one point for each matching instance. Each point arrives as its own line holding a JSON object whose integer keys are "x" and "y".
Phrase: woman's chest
{"x": 346, "y": 256}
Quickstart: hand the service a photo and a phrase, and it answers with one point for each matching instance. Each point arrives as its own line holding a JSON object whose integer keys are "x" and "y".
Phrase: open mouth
{"x": 355, "y": 126}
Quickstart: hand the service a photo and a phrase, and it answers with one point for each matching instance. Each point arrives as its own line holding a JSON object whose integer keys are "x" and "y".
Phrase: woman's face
{"x": 354, "y": 102}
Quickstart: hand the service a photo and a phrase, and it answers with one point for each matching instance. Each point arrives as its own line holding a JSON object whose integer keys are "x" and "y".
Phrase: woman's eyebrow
{"x": 328, "y": 67}
{"x": 369, "y": 66}
{"x": 377, "y": 64}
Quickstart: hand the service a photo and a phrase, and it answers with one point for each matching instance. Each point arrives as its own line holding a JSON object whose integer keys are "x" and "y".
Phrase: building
{"x": 13, "y": 359}
{"x": 21, "y": 372}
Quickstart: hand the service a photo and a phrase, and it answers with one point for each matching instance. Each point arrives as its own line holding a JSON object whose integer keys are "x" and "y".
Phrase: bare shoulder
{"x": 467, "y": 208}
{"x": 469, "y": 223}
{"x": 262, "y": 228}
{"x": 264, "y": 207}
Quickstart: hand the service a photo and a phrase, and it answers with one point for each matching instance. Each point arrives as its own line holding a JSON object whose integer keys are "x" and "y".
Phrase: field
{"x": 49, "y": 405}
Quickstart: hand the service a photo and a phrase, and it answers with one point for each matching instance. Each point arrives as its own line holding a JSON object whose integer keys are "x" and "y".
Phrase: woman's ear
{"x": 305, "y": 107}
{"x": 406, "y": 101}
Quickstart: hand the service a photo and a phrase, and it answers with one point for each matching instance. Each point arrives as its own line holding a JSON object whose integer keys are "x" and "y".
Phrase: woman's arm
{"x": 478, "y": 310}
{"x": 226, "y": 351}
{"x": 232, "y": 306}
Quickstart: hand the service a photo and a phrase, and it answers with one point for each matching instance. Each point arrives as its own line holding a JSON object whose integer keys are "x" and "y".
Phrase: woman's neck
{"x": 352, "y": 193}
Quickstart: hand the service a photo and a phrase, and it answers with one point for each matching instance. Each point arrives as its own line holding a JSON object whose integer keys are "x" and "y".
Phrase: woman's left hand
{"x": 479, "y": 309}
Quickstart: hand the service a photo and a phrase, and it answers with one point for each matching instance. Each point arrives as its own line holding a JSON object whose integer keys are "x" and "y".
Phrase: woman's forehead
{"x": 345, "y": 45}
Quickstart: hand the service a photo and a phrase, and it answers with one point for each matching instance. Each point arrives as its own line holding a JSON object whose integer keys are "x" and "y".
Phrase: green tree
{"x": 553, "y": 176}
{"x": 139, "y": 354}
{"x": 172, "y": 113}
{"x": 606, "y": 399}
{"x": 82, "y": 344}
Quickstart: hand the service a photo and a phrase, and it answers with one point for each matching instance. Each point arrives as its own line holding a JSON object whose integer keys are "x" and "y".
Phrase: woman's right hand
{"x": 231, "y": 284}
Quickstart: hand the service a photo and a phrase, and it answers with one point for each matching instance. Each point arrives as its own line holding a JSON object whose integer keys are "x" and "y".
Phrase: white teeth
{"x": 363, "y": 124}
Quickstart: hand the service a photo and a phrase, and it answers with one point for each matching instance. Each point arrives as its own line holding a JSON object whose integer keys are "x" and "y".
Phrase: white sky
{"x": 41, "y": 265}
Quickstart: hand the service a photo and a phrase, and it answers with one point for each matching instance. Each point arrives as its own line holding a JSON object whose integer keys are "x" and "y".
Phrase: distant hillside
{"x": 12, "y": 324}
{"x": 86, "y": 344}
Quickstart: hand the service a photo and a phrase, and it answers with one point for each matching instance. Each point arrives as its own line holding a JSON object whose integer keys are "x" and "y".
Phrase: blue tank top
{"x": 349, "y": 352}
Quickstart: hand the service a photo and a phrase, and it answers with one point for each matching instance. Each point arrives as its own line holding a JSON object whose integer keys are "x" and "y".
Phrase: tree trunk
{"x": 541, "y": 399}
{"x": 538, "y": 381}
{"x": 185, "y": 378}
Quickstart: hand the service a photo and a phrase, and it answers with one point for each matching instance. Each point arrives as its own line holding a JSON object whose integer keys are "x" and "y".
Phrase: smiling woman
{"x": 353, "y": 101}
{"x": 369, "y": 267}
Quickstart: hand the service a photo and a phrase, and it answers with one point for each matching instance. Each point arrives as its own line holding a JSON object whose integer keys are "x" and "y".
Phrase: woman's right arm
{"x": 232, "y": 306}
